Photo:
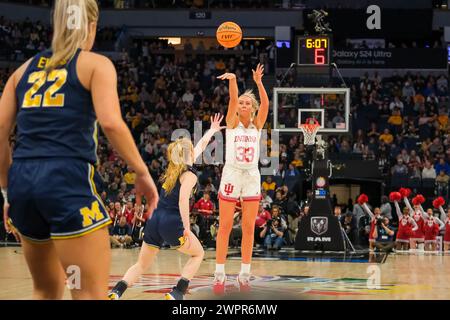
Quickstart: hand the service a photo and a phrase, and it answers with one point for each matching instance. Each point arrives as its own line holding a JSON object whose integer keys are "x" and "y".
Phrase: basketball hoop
{"x": 310, "y": 129}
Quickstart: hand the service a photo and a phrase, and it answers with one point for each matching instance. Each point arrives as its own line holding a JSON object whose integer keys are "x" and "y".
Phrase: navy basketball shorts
{"x": 164, "y": 227}
{"x": 55, "y": 199}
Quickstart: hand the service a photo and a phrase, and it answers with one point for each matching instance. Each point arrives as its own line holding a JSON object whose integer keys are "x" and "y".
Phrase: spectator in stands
{"x": 442, "y": 165}
{"x": 280, "y": 200}
{"x": 399, "y": 169}
{"x": 261, "y": 220}
{"x": 205, "y": 206}
{"x": 442, "y": 184}
{"x": 396, "y": 121}
{"x": 386, "y": 137}
{"x": 268, "y": 184}
{"x": 428, "y": 172}
{"x": 266, "y": 200}
{"x": 121, "y": 234}
{"x": 292, "y": 171}
{"x": 408, "y": 90}
{"x": 128, "y": 212}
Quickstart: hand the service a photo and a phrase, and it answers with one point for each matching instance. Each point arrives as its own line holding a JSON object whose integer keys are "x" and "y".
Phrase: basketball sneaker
{"x": 243, "y": 280}
{"x": 219, "y": 283}
{"x": 112, "y": 295}
{"x": 175, "y": 294}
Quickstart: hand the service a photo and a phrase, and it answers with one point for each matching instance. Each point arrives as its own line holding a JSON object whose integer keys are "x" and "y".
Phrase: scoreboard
{"x": 313, "y": 51}
{"x": 313, "y": 55}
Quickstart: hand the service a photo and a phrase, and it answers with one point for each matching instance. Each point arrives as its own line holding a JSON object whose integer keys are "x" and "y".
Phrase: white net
{"x": 309, "y": 129}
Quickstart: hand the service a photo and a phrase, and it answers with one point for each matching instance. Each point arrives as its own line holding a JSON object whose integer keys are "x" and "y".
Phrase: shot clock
{"x": 314, "y": 51}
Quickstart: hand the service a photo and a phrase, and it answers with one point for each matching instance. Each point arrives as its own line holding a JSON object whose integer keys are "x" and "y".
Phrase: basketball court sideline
{"x": 289, "y": 275}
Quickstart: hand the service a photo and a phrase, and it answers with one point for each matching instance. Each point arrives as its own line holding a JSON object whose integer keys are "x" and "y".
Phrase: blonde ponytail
{"x": 71, "y": 19}
{"x": 178, "y": 154}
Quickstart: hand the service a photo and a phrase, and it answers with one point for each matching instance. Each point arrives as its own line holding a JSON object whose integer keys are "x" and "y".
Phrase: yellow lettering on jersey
{"x": 51, "y": 98}
{"x": 42, "y": 62}
{"x": 91, "y": 215}
{"x": 31, "y": 99}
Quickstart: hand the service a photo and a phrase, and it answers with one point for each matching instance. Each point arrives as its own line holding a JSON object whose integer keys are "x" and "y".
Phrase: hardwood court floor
{"x": 401, "y": 276}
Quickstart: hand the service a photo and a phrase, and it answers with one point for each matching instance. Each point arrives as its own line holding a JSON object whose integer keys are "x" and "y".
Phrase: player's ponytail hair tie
{"x": 438, "y": 202}
{"x": 418, "y": 200}
{"x": 395, "y": 196}
{"x": 405, "y": 192}
{"x": 362, "y": 199}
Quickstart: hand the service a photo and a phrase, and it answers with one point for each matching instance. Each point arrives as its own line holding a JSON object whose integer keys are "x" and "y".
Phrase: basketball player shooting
{"x": 240, "y": 176}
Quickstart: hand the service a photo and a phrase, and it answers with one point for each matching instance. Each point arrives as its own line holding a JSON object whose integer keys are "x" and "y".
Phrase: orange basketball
{"x": 229, "y": 34}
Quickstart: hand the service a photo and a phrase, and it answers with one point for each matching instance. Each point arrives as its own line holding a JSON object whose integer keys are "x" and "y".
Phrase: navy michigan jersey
{"x": 55, "y": 113}
{"x": 51, "y": 182}
{"x": 165, "y": 225}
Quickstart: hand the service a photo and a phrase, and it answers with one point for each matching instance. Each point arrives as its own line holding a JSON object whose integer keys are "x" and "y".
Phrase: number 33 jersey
{"x": 240, "y": 176}
{"x": 242, "y": 147}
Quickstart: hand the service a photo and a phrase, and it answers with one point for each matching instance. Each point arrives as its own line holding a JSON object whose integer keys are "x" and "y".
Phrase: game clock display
{"x": 313, "y": 51}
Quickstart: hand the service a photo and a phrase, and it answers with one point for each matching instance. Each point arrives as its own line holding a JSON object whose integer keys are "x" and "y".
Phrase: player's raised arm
{"x": 263, "y": 111}
{"x": 233, "y": 104}
{"x": 215, "y": 127}
{"x": 103, "y": 87}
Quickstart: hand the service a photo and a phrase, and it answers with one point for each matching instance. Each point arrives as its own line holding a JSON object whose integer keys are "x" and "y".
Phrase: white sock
{"x": 245, "y": 268}
{"x": 220, "y": 268}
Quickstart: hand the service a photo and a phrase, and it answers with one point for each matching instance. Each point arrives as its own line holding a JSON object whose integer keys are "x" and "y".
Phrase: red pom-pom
{"x": 438, "y": 202}
{"x": 395, "y": 196}
{"x": 362, "y": 199}
{"x": 418, "y": 200}
{"x": 405, "y": 192}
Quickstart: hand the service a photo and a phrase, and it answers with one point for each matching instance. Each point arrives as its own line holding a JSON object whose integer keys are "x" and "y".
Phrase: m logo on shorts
{"x": 91, "y": 215}
{"x": 228, "y": 188}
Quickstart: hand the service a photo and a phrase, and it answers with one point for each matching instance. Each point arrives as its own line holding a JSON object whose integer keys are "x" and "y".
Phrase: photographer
{"x": 273, "y": 234}
{"x": 384, "y": 235}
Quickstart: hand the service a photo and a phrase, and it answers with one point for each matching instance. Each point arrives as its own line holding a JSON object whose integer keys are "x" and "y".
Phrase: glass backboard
{"x": 330, "y": 106}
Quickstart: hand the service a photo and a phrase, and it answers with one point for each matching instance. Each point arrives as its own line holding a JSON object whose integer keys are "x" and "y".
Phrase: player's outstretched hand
{"x": 227, "y": 76}
{"x": 215, "y": 122}
{"x": 258, "y": 73}
{"x": 145, "y": 186}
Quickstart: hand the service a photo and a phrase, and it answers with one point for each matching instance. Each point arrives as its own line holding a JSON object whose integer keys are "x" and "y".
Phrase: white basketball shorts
{"x": 240, "y": 184}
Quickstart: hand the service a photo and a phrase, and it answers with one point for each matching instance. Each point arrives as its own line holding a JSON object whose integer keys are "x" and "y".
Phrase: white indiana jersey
{"x": 242, "y": 146}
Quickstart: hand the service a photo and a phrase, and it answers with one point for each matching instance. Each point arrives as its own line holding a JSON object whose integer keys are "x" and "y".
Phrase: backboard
{"x": 330, "y": 106}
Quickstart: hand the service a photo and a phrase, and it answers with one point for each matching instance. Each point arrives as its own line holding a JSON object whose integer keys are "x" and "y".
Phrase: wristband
{"x": 5, "y": 194}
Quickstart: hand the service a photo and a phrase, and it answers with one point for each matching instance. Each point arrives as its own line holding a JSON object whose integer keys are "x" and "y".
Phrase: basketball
{"x": 229, "y": 34}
